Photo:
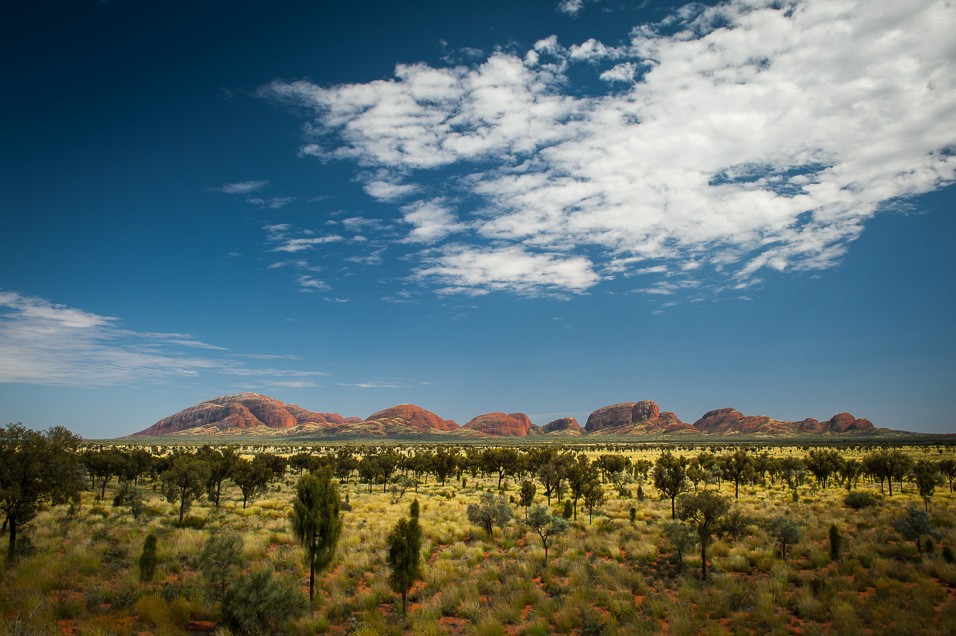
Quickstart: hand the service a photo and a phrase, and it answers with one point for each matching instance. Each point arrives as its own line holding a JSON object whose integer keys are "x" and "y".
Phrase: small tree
{"x": 948, "y": 468}
{"x": 221, "y": 561}
{"x": 546, "y": 525}
{"x": 35, "y": 469}
{"x": 836, "y": 542}
{"x": 738, "y": 467}
{"x": 681, "y": 539}
{"x": 443, "y": 464}
{"x": 670, "y": 478}
{"x": 147, "y": 559}
{"x": 221, "y": 465}
{"x": 593, "y": 493}
{"x": 316, "y": 523}
{"x": 580, "y": 472}
{"x": 926, "y": 474}
{"x": 251, "y": 477}
{"x": 567, "y": 511}
{"x": 527, "y": 496}
{"x": 184, "y": 482}
{"x": 404, "y": 556}
{"x": 786, "y": 532}
{"x": 490, "y": 511}
{"x": 706, "y": 512}
{"x": 914, "y": 525}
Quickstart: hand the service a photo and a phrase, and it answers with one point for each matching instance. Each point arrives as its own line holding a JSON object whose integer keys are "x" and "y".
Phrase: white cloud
{"x": 388, "y": 191}
{"x": 750, "y": 135}
{"x": 476, "y": 270}
{"x": 311, "y": 284}
{"x": 299, "y": 244}
{"x": 272, "y": 203}
{"x": 54, "y": 345}
{"x": 623, "y": 72}
{"x": 432, "y": 220}
{"x": 241, "y": 187}
{"x": 571, "y": 7}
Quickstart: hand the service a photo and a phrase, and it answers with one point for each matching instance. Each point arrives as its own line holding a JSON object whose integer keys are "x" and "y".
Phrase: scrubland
{"x": 77, "y": 570}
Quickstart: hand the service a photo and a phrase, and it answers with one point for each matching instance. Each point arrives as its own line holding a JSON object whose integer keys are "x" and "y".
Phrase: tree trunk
{"x": 673, "y": 508}
{"x": 12, "y": 546}
{"x": 404, "y": 592}
{"x": 312, "y": 581}
{"x": 182, "y": 507}
{"x": 703, "y": 559}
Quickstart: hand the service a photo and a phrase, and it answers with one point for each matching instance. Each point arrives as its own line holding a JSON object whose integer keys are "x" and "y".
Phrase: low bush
{"x": 858, "y": 500}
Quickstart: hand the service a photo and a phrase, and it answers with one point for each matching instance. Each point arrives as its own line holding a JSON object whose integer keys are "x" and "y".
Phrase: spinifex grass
{"x": 609, "y": 576}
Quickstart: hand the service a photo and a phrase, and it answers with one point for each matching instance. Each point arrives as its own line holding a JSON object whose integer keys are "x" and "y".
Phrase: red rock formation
{"x": 622, "y": 415}
{"x": 239, "y": 412}
{"x": 560, "y": 425}
{"x": 635, "y": 418}
{"x": 719, "y": 420}
{"x": 512, "y": 425}
{"x": 414, "y": 417}
{"x": 809, "y": 425}
{"x": 843, "y": 422}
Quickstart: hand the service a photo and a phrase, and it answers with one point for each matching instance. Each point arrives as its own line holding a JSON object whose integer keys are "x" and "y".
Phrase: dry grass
{"x": 611, "y": 576}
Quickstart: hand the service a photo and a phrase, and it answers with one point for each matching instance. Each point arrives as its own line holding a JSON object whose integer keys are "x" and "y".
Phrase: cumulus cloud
{"x": 49, "y": 344}
{"x": 432, "y": 220}
{"x": 749, "y": 136}
{"x": 478, "y": 270}
{"x": 571, "y": 7}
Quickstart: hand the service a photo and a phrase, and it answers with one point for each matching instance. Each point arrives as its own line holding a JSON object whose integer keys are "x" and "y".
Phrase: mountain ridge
{"x": 252, "y": 414}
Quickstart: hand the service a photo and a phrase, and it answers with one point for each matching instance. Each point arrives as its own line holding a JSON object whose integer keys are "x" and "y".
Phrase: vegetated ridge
{"x": 251, "y": 414}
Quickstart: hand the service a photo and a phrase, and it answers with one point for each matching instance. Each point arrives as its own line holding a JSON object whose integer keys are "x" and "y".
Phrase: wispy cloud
{"x": 730, "y": 140}
{"x": 273, "y": 203}
{"x": 285, "y": 238}
{"x": 48, "y": 344}
{"x": 248, "y": 188}
{"x": 311, "y": 284}
{"x": 241, "y": 187}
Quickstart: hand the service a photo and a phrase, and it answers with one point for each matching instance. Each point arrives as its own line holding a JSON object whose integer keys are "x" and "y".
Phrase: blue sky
{"x": 519, "y": 206}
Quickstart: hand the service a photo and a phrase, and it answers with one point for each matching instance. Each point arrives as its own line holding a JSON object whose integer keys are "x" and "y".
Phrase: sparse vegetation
{"x": 245, "y": 570}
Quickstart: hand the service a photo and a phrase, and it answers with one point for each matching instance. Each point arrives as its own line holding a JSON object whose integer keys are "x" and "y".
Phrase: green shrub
{"x": 262, "y": 604}
{"x": 948, "y": 555}
{"x": 858, "y": 500}
{"x": 148, "y": 559}
{"x": 836, "y": 541}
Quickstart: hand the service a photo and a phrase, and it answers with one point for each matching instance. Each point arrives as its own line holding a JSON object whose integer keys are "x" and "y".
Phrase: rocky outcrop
{"x": 508, "y": 424}
{"x": 729, "y": 421}
{"x": 562, "y": 425}
{"x": 621, "y": 415}
{"x": 238, "y": 413}
{"x": 845, "y": 422}
{"x": 809, "y": 425}
{"x": 414, "y": 417}
{"x": 254, "y": 414}
{"x": 635, "y": 418}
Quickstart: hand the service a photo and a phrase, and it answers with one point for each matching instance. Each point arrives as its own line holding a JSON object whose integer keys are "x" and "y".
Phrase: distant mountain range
{"x": 251, "y": 414}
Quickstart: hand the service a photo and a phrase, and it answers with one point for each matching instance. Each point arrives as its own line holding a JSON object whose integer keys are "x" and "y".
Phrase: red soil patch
{"x": 453, "y": 624}
{"x": 201, "y": 626}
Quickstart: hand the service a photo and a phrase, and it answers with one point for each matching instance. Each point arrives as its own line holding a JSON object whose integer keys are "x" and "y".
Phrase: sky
{"x": 538, "y": 206}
